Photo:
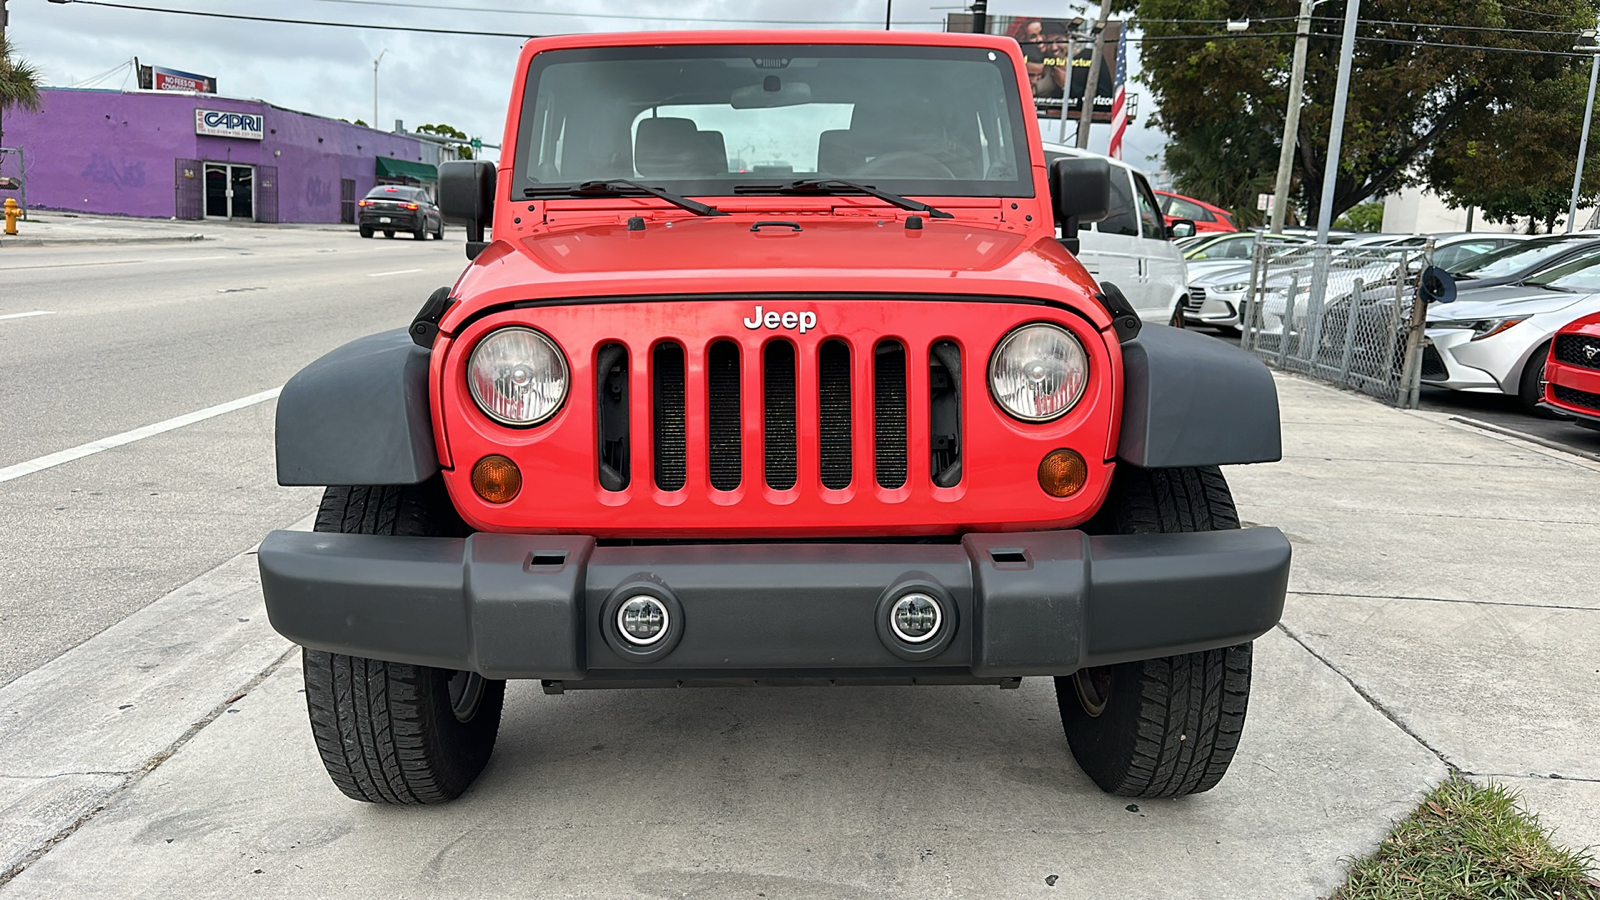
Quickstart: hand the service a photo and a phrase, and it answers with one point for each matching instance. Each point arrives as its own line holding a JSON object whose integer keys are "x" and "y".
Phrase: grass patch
{"x": 1469, "y": 842}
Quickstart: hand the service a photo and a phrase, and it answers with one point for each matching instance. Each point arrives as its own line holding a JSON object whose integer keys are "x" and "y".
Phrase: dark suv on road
{"x": 391, "y": 207}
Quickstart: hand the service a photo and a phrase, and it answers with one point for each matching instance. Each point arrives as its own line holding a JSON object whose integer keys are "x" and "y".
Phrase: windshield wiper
{"x": 826, "y": 186}
{"x": 617, "y": 187}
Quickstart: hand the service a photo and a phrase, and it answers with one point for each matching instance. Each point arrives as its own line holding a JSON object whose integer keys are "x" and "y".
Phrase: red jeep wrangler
{"x": 774, "y": 372}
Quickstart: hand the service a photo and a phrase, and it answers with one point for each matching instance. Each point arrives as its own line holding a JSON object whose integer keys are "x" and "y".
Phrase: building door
{"x": 230, "y": 191}
{"x": 347, "y": 201}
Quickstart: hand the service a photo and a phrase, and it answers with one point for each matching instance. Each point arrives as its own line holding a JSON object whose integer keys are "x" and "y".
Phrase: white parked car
{"x": 1497, "y": 340}
{"x": 1131, "y": 247}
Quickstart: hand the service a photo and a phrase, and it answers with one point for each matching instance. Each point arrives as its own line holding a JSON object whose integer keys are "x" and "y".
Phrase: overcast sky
{"x": 461, "y": 80}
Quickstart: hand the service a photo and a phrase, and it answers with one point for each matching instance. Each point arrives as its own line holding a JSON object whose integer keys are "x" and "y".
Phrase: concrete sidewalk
{"x": 1439, "y": 618}
{"x": 49, "y": 229}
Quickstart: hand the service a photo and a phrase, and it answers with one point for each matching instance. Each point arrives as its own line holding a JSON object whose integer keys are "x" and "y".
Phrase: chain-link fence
{"x": 1346, "y": 315}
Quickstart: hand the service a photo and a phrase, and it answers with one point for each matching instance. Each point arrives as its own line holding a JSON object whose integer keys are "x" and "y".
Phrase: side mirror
{"x": 466, "y": 197}
{"x": 1180, "y": 228}
{"x": 1080, "y": 191}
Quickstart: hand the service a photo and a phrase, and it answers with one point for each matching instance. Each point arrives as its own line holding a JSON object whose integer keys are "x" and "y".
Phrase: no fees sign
{"x": 220, "y": 123}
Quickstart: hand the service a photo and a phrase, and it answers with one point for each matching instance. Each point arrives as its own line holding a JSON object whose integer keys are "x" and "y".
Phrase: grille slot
{"x": 1433, "y": 368}
{"x": 778, "y": 432}
{"x": 833, "y": 395}
{"x": 671, "y": 464}
{"x": 944, "y": 413}
{"x": 1195, "y": 299}
{"x": 611, "y": 382}
{"x": 1575, "y": 397}
{"x": 889, "y": 413}
{"x": 722, "y": 416}
{"x": 1578, "y": 350}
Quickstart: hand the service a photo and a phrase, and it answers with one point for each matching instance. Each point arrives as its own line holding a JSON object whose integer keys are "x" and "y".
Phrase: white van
{"x": 1130, "y": 247}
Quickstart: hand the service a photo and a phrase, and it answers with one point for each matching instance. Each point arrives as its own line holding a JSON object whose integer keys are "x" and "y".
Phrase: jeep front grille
{"x": 781, "y": 381}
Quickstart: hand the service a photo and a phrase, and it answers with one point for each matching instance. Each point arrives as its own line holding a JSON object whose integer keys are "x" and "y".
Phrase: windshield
{"x": 1515, "y": 258}
{"x": 701, "y": 120}
{"x": 1581, "y": 273}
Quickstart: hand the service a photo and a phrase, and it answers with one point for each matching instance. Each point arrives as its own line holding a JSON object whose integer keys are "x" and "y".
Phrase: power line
{"x": 634, "y": 17}
{"x": 218, "y": 15}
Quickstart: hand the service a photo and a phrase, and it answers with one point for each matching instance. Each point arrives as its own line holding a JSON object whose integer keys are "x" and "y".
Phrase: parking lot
{"x": 152, "y": 726}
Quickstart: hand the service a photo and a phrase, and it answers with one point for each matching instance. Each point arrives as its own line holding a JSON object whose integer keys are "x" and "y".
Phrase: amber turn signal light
{"x": 496, "y": 479}
{"x": 1062, "y": 473}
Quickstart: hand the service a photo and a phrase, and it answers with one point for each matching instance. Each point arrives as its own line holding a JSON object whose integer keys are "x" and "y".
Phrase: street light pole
{"x": 888, "y": 13}
{"x": 375, "y": 86}
{"x": 1291, "y": 121}
{"x": 1330, "y": 172}
{"x": 1583, "y": 143}
{"x": 1091, "y": 84}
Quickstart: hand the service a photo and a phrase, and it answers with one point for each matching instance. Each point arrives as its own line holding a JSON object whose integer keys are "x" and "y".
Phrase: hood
{"x": 804, "y": 253}
{"x": 1502, "y": 302}
{"x": 1216, "y": 273}
{"x": 1205, "y": 268}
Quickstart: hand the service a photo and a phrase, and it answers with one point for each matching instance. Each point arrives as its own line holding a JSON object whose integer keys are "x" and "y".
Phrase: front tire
{"x": 1164, "y": 727}
{"x": 1530, "y": 387}
{"x": 389, "y": 732}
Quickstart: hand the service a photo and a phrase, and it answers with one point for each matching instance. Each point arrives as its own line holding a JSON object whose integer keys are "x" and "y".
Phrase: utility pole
{"x": 980, "y": 16}
{"x": 375, "y": 86}
{"x": 1091, "y": 84}
{"x": 1587, "y": 43}
{"x": 1347, "y": 53}
{"x": 888, "y": 13}
{"x": 1291, "y": 121}
{"x": 2, "y": 21}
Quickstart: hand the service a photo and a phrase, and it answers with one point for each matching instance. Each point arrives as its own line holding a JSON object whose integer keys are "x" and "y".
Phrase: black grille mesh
{"x": 722, "y": 415}
{"x": 1578, "y": 350}
{"x": 1574, "y": 397}
{"x": 671, "y": 471}
{"x": 778, "y": 428}
{"x": 889, "y": 413}
{"x": 1433, "y": 368}
{"x": 833, "y": 388}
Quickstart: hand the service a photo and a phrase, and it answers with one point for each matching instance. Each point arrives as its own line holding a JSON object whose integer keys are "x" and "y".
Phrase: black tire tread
{"x": 1179, "y": 735}
{"x": 384, "y": 730}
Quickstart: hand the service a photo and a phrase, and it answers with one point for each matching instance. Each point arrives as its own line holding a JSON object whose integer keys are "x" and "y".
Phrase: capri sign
{"x": 218, "y": 123}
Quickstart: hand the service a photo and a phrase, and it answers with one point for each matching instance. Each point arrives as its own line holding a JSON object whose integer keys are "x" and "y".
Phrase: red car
{"x": 1205, "y": 216}
{"x": 773, "y": 370}
{"x": 1572, "y": 371}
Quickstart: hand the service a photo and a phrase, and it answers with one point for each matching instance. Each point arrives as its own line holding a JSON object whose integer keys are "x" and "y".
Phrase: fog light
{"x": 642, "y": 620}
{"x": 496, "y": 479}
{"x": 915, "y": 618}
{"x": 1063, "y": 473}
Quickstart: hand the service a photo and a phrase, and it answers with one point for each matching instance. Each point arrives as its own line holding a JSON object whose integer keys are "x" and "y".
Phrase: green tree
{"x": 1366, "y": 217}
{"x": 19, "y": 85}
{"x": 1407, "y": 95}
{"x": 463, "y": 149}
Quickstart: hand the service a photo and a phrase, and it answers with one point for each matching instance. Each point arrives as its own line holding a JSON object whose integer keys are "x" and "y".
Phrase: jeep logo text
{"x": 805, "y": 321}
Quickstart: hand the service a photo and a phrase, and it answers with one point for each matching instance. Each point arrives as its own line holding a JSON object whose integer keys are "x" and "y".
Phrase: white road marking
{"x": 37, "y": 312}
{"x": 128, "y": 437}
{"x": 395, "y": 272}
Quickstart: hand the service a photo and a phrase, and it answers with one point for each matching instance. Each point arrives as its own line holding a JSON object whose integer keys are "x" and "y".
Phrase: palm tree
{"x": 19, "y": 84}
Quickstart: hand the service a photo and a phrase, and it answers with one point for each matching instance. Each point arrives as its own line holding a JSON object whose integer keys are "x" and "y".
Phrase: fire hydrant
{"x": 13, "y": 213}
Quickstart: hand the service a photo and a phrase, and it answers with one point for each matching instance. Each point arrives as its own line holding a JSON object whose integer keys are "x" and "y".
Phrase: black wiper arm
{"x": 824, "y": 186}
{"x": 617, "y": 187}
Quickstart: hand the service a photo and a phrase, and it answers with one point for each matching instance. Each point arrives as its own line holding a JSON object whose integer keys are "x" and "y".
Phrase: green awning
{"x": 389, "y": 167}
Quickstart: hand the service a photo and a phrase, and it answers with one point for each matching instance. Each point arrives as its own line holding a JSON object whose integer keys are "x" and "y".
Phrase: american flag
{"x": 1119, "y": 100}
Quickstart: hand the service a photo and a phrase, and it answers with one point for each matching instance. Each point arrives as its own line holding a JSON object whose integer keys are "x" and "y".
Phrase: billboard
{"x": 155, "y": 78}
{"x": 1058, "y": 53}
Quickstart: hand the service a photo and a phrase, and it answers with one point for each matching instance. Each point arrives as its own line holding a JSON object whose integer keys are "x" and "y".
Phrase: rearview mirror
{"x": 466, "y": 197}
{"x": 1080, "y": 191}
{"x": 773, "y": 91}
{"x": 1180, "y": 228}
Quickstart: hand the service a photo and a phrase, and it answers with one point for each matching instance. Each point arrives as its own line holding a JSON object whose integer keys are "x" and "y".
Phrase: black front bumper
{"x": 398, "y": 221}
{"x": 530, "y": 606}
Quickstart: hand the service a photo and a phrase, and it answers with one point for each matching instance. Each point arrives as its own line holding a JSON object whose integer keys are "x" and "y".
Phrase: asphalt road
{"x": 138, "y": 334}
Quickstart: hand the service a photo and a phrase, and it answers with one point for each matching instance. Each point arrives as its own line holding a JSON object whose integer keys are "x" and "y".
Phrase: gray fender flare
{"x": 359, "y": 416}
{"x": 1192, "y": 400}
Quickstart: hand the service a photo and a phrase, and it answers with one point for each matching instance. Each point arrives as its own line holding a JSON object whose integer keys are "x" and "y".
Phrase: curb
{"x": 69, "y": 242}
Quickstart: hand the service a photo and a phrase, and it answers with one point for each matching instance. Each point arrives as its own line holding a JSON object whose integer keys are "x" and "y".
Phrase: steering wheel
{"x": 906, "y": 164}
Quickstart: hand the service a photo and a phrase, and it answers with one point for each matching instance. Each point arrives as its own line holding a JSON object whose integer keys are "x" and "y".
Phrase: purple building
{"x": 168, "y": 154}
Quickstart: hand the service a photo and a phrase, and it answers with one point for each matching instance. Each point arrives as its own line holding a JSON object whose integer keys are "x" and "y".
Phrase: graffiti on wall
{"x": 126, "y": 174}
{"x": 318, "y": 192}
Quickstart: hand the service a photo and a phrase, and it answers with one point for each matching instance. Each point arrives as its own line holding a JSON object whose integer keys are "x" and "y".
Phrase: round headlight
{"x": 517, "y": 376}
{"x": 1038, "y": 372}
